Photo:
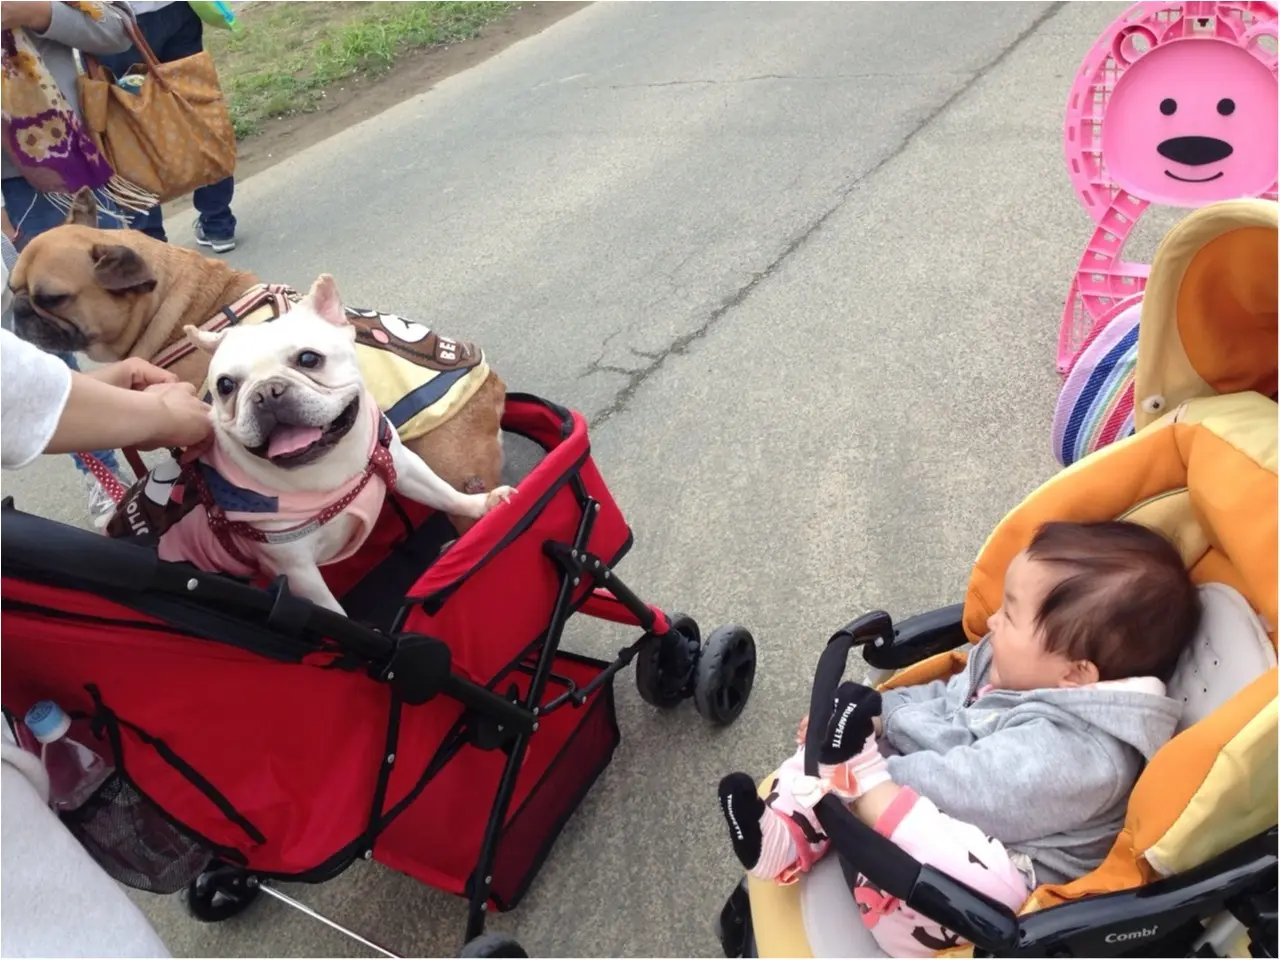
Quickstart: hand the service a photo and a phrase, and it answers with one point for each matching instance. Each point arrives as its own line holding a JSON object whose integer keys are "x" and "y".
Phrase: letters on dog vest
{"x": 418, "y": 378}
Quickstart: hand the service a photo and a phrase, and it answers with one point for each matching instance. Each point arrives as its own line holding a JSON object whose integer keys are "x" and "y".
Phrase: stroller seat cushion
{"x": 1230, "y": 650}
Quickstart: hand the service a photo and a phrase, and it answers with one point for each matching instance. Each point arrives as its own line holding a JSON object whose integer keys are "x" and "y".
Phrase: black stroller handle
{"x": 831, "y": 666}
{"x": 47, "y": 547}
{"x": 862, "y": 850}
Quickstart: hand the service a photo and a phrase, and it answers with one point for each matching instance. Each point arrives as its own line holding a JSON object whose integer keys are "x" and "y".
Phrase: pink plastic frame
{"x": 1102, "y": 279}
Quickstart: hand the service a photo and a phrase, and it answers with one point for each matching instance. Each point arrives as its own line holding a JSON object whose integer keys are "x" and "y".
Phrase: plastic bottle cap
{"x": 47, "y": 721}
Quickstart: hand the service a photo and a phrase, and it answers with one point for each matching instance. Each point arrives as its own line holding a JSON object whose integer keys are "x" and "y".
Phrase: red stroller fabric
{"x": 275, "y": 761}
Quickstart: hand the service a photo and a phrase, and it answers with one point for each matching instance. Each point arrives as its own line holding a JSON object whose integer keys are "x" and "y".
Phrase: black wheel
{"x": 220, "y": 893}
{"x": 733, "y": 928}
{"x": 665, "y": 665}
{"x": 493, "y": 945}
{"x": 726, "y": 671}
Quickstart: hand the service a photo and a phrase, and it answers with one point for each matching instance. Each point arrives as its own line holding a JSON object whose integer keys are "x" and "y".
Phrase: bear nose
{"x": 270, "y": 391}
{"x": 1195, "y": 151}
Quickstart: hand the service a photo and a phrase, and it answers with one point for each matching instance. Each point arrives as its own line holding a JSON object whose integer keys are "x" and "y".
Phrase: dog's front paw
{"x": 497, "y": 496}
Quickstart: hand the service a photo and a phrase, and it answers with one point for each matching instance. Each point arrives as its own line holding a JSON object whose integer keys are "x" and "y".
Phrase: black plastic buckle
{"x": 418, "y": 668}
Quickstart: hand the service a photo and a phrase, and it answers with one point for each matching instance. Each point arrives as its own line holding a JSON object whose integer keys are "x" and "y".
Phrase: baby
{"x": 1032, "y": 749}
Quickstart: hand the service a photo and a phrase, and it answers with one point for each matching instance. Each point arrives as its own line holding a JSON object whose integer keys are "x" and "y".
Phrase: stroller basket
{"x": 438, "y": 728}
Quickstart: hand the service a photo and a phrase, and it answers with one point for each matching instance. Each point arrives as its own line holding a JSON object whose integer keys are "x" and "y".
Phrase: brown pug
{"x": 118, "y": 293}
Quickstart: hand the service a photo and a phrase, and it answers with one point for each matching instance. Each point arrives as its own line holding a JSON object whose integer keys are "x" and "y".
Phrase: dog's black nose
{"x": 270, "y": 391}
{"x": 1195, "y": 151}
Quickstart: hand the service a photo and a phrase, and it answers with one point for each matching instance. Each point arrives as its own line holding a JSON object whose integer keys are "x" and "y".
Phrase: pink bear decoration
{"x": 1176, "y": 104}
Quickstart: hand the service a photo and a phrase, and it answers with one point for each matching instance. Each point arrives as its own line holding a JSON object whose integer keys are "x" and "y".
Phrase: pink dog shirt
{"x": 240, "y": 501}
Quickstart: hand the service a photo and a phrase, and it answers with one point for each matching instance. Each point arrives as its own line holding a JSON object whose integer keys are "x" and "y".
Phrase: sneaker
{"x": 217, "y": 244}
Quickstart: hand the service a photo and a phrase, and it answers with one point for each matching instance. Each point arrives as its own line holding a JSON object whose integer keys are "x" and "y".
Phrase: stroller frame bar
{"x": 574, "y": 563}
{"x": 394, "y": 638}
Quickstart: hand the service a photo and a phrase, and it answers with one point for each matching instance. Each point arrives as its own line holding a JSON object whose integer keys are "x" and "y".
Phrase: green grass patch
{"x": 289, "y": 52}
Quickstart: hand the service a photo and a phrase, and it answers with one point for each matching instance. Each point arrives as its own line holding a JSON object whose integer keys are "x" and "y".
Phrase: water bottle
{"x": 75, "y": 771}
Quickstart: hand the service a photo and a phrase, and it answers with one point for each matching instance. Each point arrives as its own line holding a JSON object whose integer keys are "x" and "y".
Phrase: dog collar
{"x": 227, "y": 531}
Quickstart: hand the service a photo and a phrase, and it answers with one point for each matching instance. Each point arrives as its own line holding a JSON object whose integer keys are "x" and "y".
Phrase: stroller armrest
{"x": 918, "y": 638}
{"x": 938, "y": 896}
{"x": 1111, "y": 923}
{"x": 862, "y": 850}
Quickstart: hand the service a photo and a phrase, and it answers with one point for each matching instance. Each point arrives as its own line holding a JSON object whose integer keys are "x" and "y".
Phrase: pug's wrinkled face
{"x": 287, "y": 391}
{"x": 78, "y": 288}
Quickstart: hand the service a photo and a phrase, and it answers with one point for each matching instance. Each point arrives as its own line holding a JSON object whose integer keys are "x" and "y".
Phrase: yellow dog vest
{"x": 418, "y": 378}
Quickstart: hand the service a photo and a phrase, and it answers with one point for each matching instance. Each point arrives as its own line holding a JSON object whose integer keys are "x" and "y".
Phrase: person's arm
{"x": 1024, "y": 782}
{"x": 62, "y": 23}
{"x": 99, "y": 416}
{"x": 47, "y": 408}
{"x": 34, "y": 387}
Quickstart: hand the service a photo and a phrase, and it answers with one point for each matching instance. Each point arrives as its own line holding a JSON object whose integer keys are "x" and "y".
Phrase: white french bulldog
{"x": 296, "y": 429}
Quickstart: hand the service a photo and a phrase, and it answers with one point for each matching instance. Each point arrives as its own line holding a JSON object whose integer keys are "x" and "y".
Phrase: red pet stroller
{"x": 365, "y": 736}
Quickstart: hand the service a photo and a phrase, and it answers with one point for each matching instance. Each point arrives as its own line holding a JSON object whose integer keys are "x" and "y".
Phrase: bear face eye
{"x": 1168, "y": 106}
{"x": 1226, "y": 106}
{"x": 226, "y": 386}
{"x": 310, "y": 360}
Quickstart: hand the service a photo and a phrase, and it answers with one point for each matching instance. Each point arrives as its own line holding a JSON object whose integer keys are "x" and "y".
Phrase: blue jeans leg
{"x": 214, "y": 204}
{"x": 175, "y": 32}
{"x": 32, "y": 213}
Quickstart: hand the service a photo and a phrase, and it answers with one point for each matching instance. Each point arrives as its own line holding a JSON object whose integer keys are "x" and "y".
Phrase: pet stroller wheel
{"x": 493, "y": 945}
{"x": 665, "y": 666}
{"x": 221, "y": 892}
{"x": 726, "y": 671}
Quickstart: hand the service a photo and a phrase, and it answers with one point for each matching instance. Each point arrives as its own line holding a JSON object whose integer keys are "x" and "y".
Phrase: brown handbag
{"x": 167, "y": 136}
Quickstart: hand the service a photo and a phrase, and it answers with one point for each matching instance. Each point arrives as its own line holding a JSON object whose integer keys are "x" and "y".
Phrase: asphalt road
{"x": 802, "y": 265}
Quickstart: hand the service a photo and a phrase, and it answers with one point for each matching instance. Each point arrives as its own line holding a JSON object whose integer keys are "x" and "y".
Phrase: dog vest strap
{"x": 258, "y": 295}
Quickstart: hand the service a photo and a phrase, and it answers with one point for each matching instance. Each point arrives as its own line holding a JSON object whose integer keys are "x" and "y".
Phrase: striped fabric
{"x": 1095, "y": 407}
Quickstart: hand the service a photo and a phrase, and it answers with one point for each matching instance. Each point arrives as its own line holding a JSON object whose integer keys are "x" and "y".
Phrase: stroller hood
{"x": 1209, "y": 310}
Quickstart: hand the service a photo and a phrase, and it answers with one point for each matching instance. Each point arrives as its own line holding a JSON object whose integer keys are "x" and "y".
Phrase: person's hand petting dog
{"x": 130, "y": 404}
{"x": 132, "y": 373}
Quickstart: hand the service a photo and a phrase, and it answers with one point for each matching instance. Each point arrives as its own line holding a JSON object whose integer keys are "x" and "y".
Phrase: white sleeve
{"x": 34, "y": 387}
{"x": 57, "y": 902}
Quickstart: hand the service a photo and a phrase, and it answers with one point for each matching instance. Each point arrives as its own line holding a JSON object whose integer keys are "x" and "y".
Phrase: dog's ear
{"x": 203, "y": 339}
{"x": 84, "y": 209}
{"x": 119, "y": 268}
{"x": 326, "y": 301}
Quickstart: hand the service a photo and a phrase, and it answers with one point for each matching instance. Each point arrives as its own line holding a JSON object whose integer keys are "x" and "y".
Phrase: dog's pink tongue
{"x": 289, "y": 439}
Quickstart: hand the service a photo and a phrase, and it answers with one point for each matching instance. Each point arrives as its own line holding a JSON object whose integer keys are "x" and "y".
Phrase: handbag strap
{"x": 95, "y": 70}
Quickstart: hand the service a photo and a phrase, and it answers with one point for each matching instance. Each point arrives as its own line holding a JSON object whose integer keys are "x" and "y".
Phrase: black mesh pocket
{"x": 133, "y": 842}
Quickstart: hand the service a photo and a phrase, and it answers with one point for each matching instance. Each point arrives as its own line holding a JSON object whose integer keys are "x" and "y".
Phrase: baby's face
{"x": 1019, "y": 658}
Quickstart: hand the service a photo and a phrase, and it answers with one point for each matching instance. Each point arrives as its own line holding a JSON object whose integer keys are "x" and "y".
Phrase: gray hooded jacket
{"x": 1046, "y": 772}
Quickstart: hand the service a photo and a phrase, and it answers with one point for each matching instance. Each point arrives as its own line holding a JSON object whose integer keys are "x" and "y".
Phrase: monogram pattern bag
{"x": 167, "y": 129}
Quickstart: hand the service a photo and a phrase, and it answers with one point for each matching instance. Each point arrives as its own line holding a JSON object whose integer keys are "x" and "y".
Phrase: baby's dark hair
{"x": 1126, "y": 603}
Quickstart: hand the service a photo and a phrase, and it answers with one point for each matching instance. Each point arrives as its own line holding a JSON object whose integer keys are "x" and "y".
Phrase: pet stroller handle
{"x": 416, "y": 667}
{"x": 861, "y": 849}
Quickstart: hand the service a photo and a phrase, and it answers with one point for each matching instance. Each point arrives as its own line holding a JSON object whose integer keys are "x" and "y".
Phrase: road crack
{"x": 680, "y": 345}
